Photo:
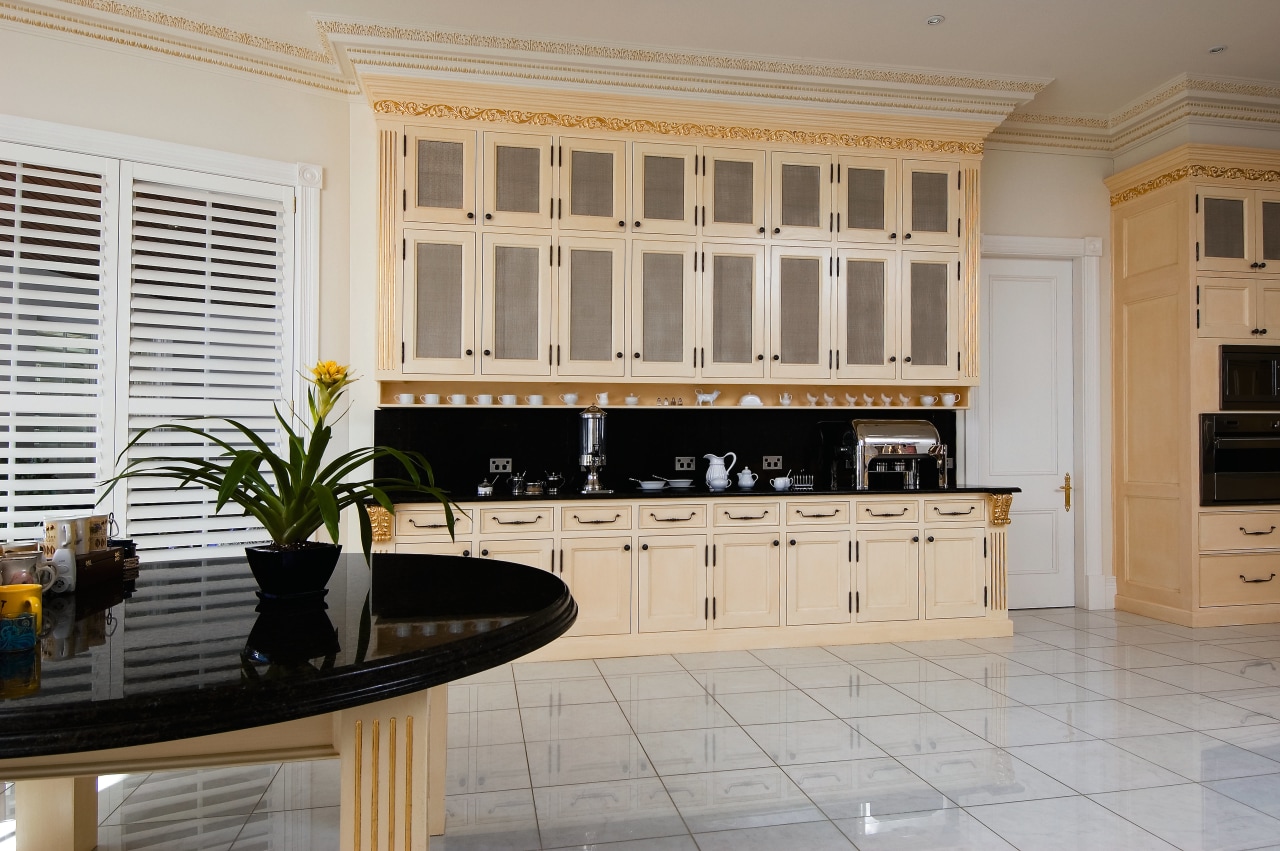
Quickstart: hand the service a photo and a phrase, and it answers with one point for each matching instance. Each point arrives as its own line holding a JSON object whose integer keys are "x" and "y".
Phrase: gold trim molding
{"x": 380, "y": 520}
{"x": 670, "y": 128}
{"x": 1212, "y": 172}
{"x": 1001, "y": 503}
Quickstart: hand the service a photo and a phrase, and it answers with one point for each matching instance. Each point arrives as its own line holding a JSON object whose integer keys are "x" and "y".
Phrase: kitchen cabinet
{"x": 535, "y": 552}
{"x": 867, "y": 200}
{"x": 930, "y": 203}
{"x": 731, "y": 340}
{"x": 799, "y": 312}
{"x": 955, "y": 572}
{"x": 930, "y": 325}
{"x": 439, "y": 176}
{"x": 1237, "y": 229}
{"x": 1238, "y": 308}
{"x": 592, "y": 184}
{"x": 590, "y": 328}
{"x": 517, "y": 180}
{"x": 516, "y": 326}
{"x": 597, "y": 570}
{"x": 665, "y": 188}
{"x": 733, "y": 192}
{"x": 817, "y": 567}
{"x": 435, "y": 548}
{"x": 887, "y": 563}
{"x": 673, "y": 583}
{"x": 867, "y": 315}
{"x": 439, "y": 298}
{"x": 663, "y": 309}
{"x": 800, "y": 201}
{"x": 909, "y": 203}
{"x": 745, "y": 570}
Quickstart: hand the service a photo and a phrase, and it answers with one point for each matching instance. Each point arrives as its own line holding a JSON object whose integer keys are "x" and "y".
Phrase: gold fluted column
{"x": 972, "y": 261}
{"x": 388, "y": 178}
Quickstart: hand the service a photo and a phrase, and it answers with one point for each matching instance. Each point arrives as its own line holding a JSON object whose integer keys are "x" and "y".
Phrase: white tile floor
{"x": 1085, "y": 730}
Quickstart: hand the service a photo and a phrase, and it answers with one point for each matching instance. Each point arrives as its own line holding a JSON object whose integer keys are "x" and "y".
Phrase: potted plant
{"x": 294, "y": 493}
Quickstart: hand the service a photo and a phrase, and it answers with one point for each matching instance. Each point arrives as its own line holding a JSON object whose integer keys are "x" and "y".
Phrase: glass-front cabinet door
{"x": 593, "y": 181}
{"x": 589, "y": 312}
{"x": 663, "y": 309}
{"x": 664, "y": 188}
{"x": 867, "y": 200}
{"x": 517, "y": 180}
{"x": 867, "y": 314}
{"x": 800, "y": 313}
{"x": 732, "y": 342}
{"x": 930, "y": 203}
{"x": 1238, "y": 230}
{"x": 800, "y": 197}
{"x": 1269, "y": 231}
{"x": 733, "y": 184}
{"x": 516, "y": 329}
{"x": 930, "y": 347}
{"x": 440, "y": 176}
{"x": 439, "y": 302}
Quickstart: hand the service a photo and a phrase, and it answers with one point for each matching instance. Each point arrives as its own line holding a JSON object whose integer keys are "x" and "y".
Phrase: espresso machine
{"x": 591, "y": 452}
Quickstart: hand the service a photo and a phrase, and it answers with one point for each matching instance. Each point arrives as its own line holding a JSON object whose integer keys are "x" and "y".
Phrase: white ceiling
{"x": 1101, "y": 55}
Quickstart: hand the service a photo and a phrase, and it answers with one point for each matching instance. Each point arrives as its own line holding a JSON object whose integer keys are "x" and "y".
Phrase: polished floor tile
{"x": 773, "y": 707}
{"x": 491, "y": 727}
{"x": 1012, "y": 726}
{"x": 812, "y": 741}
{"x": 1199, "y": 712}
{"x": 742, "y": 798}
{"x": 303, "y": 786}
{"x": 925, "y": 732}
{"x": 811, "y": 836}
{"x": 562, "y": 762}
{"x": 860, "y": 701}
{"x": 1194, "y": 817}
{"x": 654, "y": 686}
{"x": 1095, "y": 766}
{"x": 852, "y": 788}
{"x": 1040, "y": 688}
{"x": 985, "y": 666}
{"x": 948, "y": 695}
{"x": 1262, "y": 739}
{"x": 987, "y": 776}
{"x": 1065, "y": 824}
{"x": 1261, "y": 793}
{"x": 605, "y": 812}
{"x": 1109, "y": 719}
{"x": 486, "y": 768}
{"x": 907, "y": 671}
{"x": 570, "y": 721}
{"x": 718, "y": 681}
{"x": 841, "y": 675}
{"x": 315, "y": 829}
{"x": 1197, "y": 756}
{"x": 501, "y": 821}
{"x": 699, "y": 751}
{"x": 675, "y": 713}
{"x": 553, "y": 692}
{"x": 940, "y": 830}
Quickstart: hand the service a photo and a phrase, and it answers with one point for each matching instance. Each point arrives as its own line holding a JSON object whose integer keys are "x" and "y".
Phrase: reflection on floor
{"x": 1084, "y": 730}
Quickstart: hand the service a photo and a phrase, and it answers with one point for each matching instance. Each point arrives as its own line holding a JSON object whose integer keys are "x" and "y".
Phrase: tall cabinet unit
{"x": 1195, "y": 232}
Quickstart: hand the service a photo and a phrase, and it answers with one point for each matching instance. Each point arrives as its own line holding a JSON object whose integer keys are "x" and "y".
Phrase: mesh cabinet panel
{"x": 929, "y": 314}
{"x": 664, "y": 188}
{"x": 662, "y": 305}
{"x": 864, "y": 312}
{"x": 590, "y": 305}
{"x": 438, "y": 301}
{"x": 801, "y": 195}
{"x": 800, "y": 308}
{"x": 731, "y": 323}
{"x": 591, "y": 186}
{"x": 1224, "y": 227}
{"x": 733, "y": 192}
{"x": 929, "y": 202}
{"x": 515, "y": 302}
{"x": 440, "y": 179}
{"x": 516, "y": 173}
{"x": 1270, "y": 230}
{"x": 866, "y": 198}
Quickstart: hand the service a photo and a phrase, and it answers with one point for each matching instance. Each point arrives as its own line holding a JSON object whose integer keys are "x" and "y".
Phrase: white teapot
{"x": 717, "y": 472}
{"x": 747, "y": 479}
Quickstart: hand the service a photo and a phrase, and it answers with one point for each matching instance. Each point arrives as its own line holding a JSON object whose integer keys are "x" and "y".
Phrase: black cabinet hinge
{"x": 402, "y": 351}
{"x": 1197, "y": 295}
{"x": 404, "y": 199}
{"x": 1197, "y": 203}
{"x": 1197, "y": 252}
{"x": 706, "y": 607}
{"x": 404, "y": 249}
{"x": 959, "y": 177}
{"x": 957, "y": 227}
{"x": 984, "y": 547}
{"x": 1197, "y": 318}
{"x": 850, "y": 602}
{"x": 857, "y": 602}
{"x": 851, "y": 551}
{"x": 405, "y": 139}
{"x": 857, "y": 550}
{"x": 985, "y": 604}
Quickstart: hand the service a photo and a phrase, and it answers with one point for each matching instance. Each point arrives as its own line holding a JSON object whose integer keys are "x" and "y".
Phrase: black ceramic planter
{"x": 293, "y": 574}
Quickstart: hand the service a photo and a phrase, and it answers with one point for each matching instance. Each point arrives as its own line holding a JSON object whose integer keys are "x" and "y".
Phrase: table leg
{"x": 58, "y": 814}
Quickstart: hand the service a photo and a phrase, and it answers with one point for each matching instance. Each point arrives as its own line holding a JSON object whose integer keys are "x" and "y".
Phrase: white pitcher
{"x": 718, "y": 472}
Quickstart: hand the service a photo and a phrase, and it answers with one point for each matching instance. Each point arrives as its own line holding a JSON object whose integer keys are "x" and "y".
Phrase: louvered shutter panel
{"x": 55, "y": 271}
{"x": 207, "y": 338}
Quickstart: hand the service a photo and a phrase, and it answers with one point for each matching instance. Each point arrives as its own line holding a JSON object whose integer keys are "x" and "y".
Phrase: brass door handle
{"x": 1066, "y": 490}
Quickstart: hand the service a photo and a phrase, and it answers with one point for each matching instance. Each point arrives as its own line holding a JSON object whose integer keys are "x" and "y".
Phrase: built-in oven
{"x": 1239, "y": 458}
{"x": 1250, "y": 378}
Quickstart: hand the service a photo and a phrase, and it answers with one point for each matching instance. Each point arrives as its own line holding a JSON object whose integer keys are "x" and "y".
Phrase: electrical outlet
{"x": 499, "y": 465}
{"x": 685, "y": 462}
{"x": 771, "y": 462}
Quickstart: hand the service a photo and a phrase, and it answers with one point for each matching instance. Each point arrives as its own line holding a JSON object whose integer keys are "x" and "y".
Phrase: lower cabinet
{"x": 887, "y": 563}
{"x": 955, "y": 572}
{"x": 598, "y": 573}
{"x": 818, "y": 577}
{"x": 744, "y": 587}
{"x": 744, "y": 584}
{"x": 535, "y": 552}
{"x": 435, "y": 548}
{"x": 673, "y": 582}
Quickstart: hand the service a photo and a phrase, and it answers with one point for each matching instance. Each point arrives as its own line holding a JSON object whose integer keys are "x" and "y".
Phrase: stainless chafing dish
{"x": 902, "y": 454}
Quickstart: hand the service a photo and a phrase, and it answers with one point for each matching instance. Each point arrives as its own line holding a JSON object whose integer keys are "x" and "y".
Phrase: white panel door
{"x": 1022, "y": 435}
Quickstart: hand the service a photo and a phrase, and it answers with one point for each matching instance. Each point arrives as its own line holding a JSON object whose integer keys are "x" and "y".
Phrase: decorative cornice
{"x": 669, "y": 128}
{"x": 1213, "y": 172}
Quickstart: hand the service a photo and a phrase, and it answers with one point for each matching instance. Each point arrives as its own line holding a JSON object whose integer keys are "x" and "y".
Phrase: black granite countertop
{"x": 630, "y": 490}
{"x": 194, "y": 651}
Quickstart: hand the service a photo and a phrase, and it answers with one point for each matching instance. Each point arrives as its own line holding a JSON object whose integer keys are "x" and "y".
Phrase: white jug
{"x": 717, "y": 472}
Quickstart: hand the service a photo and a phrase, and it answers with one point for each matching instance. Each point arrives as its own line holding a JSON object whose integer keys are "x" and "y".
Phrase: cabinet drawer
{"x": 887, "y": 511}
{"x": 443, "y": 548}
{"x": 745, "y": 513}
{"x": 1239, "y": 580}
{"x": 415, "y": 522}
{"x": 952, "y": 510}
{"x": 804, "y": 512}
{"x": 586, "y": 519}
{"x": 1244, "y": 530}
{"x": 516, "y": 519}
{"x": 673, "y": 515}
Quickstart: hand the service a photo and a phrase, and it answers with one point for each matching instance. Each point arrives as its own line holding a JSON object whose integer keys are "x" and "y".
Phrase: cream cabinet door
{"x": 1227, "y": 308}
{"x": 439, "y": 175}
{"x": 516, "y": 329}
{"x": 598, "y": 573}
{"x": 436, "y": 548}
{"x": 800, "y": 313}
{"x": 1268, "y": 236}
{"x": 930, "y": 203}
{"x": 590, "y": 314}
{"x": 800, "y": 195}
{"x": 535, "y": 552}
{"x": 888, "y": 567}
{"x": 439, "y": 302}
{"x": 818, "y": 577}
{"x": 867, "y": 200}
{"x": 1268, "y": 314}
{"x": 664, "y": 188}
{"x": 930, "y": 338}
{"x": 732, "y": 339}
{"x": 663, "y": 309}
{"x": 955, "y": 572}
{"x": 593, "y": 181}
{"x": 673, "y": 583}
{"x": 745, "y": 571}
{"x": 733, "y": 192}
{"x": 1225, "y": 229}
{"x": 518, "y": 186}
{"x": 866, "y": 333}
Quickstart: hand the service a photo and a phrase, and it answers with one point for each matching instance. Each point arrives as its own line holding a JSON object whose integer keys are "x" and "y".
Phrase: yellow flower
{"x": 330, "y": 379}
{"x": 328, "y": 373}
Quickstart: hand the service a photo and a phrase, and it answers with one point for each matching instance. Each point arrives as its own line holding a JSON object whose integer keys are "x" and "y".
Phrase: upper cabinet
{"x": 867, "y": 205}
{"x": 800, "y": 207}
{"x": 439, "y": 302}
{"x": 1237, "y": 230}
{"x": 930, "y": 203}
{"x": 516, "y": 305}
{"x": 930, "y": 333}
{"x": 733, "y": 192}
{"x": 518, "y": 189}
{"x": 439, "y": 176}
{"x": 589, "y": 307}
{"x": 663, "y": 309}
{"x": 732, "y": 336}
{"x": 664, "y": 188}
{"x": 593, "y": 185}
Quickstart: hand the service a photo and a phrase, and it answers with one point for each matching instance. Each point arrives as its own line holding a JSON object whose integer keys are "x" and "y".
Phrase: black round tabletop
{"x": 193, "y": 650}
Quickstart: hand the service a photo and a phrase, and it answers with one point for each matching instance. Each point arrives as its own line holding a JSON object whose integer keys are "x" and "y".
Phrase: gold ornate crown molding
{"x": 1196, "y": 170}
{"x": 670, "y": 128}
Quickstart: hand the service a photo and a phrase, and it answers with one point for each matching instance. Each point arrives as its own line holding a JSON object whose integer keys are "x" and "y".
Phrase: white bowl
{"x": 680, "y": 483}
{"x": 652, "y": 486}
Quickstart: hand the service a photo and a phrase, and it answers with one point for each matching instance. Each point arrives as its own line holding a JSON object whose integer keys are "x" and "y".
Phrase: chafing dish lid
{"x": 920, "y": 434}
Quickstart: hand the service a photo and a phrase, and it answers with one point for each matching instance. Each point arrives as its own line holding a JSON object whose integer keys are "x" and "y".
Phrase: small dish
{"x": 652, "y": 486}
{"x": 680, "y": 483}
{"x": 750, "y": 400}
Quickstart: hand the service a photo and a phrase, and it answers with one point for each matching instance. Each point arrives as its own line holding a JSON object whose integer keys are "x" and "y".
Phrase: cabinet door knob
{"x": 792, "y": 542}
{"x": 626, "y": 548}
{"x": 1263, "y": 331}
{"x": 906, "y": 236}
{"x": 777, "y": 230}
{"x": 488, "y": 216}
{"x": 929, "y": 539}
{"x": 1253, "y": 265}
{"x": 486, "y": 353}
{"x": 893, "y": 358}
{"x": 619, "y": 354}
{"x": 761, "y": 230}
{"x": 1262, "y": 265}
{"x": 470, "y": 352}
{"x": 775, "y": 543}
{"x": 636, "y": 355}
{"x": 893, "y": 235}
{"x": 484, "y": 552}
{"x": 637, "y": 224}
{"x": 907, "y": 359}
{"x": 759, "y": 357}
{"x": 466, "y": 552}
{"x": 775, "y": 357}
{"x": 644, "y": 546}
{"x": 622, "y": 224}
{"x": 471, "y": 215}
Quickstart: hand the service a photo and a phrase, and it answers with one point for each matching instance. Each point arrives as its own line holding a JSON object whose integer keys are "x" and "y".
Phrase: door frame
{"x": 1091, "y": 481}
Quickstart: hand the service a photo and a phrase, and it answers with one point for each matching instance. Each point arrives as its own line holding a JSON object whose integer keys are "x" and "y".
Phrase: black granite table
{"x": 193, "y": 668}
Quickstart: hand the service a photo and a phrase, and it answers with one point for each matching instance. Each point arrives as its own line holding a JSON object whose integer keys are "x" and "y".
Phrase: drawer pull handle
{"x": 1268, "y": 579}
{"x": 692, "y": 514}
{"x": 615, "y": 519}
{"x": 802, "y": 514}
{"x": 887, "y": 514}
{"x": 1268, "y": 532}
{"x": 502, "y": 522}
{"x": 415, "y": 524}
{"x": 747, "y": 516}
{"x": 955, "y": 513}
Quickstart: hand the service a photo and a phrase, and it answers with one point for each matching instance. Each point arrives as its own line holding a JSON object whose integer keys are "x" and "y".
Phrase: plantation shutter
{"x": 208, "y": 263}
{"x": 56, "y": 274}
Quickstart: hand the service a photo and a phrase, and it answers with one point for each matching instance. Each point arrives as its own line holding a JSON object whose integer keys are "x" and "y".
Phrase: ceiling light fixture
{"x": 1222, "y": 48}
{"x": 934, "y": 20}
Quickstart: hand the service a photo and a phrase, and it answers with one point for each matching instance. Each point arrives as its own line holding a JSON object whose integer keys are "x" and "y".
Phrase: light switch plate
{"x": 771, "y": 462}
{"x": 685, "y": 462}
{"x": 499, "y": 465}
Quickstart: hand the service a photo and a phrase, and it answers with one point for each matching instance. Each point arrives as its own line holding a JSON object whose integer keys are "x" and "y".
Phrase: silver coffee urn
{"x": 591, "y": 452}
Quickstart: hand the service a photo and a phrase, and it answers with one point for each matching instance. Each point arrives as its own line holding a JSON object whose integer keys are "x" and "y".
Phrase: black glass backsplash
{"x": 458, "y": 442}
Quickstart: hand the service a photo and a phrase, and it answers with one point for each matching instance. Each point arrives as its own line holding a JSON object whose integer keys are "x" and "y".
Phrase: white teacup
{"x": 405, "y": 398}
{"x": 781, "y": 483}
{"x": 949, "y": 399}
{"x": 457, "y": 398}
{"x": 928, "y": 401}
{"x": 535, "y": 399}
{"x": 569, "y": 398}
{"x": 484, "y": 399}
{"x": 430, "y": 398}
{"x": 602, "y": 398}
{"x": 507, "y": 398}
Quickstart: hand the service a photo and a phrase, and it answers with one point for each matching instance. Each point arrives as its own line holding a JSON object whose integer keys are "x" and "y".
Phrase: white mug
{"x": 507, "y": 398}
{"x": 458, "y": 399}
{"x": 535, "y": 399}
{"x": 484, "y": 399}
{"x": 405, "y": 398}
{"x": 950, "y": 399}
{"x": 781, "y": 483}
{"x": 569, "y": 398}
{"x": 928, "y": 401}
{"x": 602, "y": 398}
{"x": 785, "y": 398}
{"x": 430, "y": 398}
